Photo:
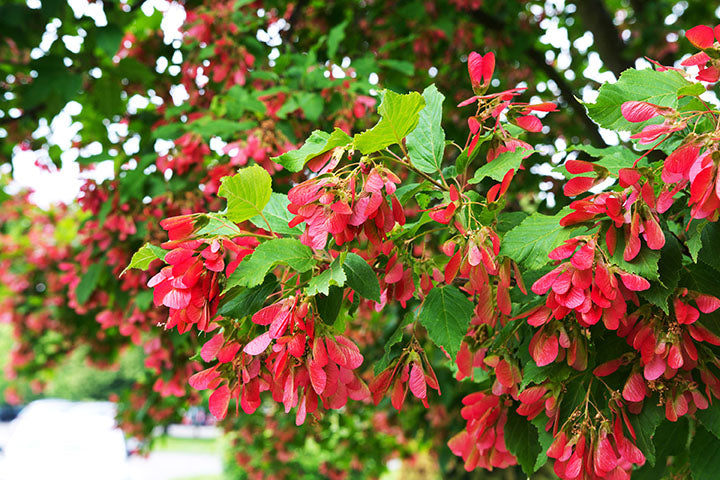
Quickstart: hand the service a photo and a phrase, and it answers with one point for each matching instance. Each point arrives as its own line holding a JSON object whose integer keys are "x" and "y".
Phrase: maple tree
{"x": 381, "y": 275}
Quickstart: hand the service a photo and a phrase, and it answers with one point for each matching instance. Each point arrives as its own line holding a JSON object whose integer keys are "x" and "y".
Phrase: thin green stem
{"x": 402, "y": 161}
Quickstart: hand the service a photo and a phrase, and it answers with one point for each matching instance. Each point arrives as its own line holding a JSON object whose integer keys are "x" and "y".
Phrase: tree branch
{"x": 607, "y": 40}
{"x": 567, "y": 94}
{"x": 538, "y": 58}
{"x": 294, "y": 16}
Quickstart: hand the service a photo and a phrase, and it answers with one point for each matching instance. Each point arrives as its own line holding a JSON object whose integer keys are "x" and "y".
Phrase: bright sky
{"x": 62, "y": 185}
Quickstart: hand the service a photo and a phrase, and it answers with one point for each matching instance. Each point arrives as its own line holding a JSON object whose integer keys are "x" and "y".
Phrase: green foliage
{"x": 710, "y": 237}
{"x": 400, "y": 114}
{"x": 88, "y": 283}
{"x": 446, "y": 314}
{"x": 521, "y": 438}
{"x": 317, "y": 144}
{"x": 659, "y": 88}
{"x": 669, "y": 268}
{"x": 241, "y": 302}
{"x": 144, "y": 257}
{"x": 645, "y": 424}
{"x": 694, "y": 238}
{"x": 278, "y": 216}
{"x": 530, "y": 242}
{"x": 334, "y": 275}
{"x": 216, "y": 224}
{"x": 465, "y": 158}
{"x": 710, "y": 419}
{"x": 505, "y": 162}
{"x": 6, "y": 342}
{"x": 395, "y": 338}
{"x": 329, "y": 305}
{"x": 704, "y": 461}
{"x": 426, "y": 143}
{"x": 275, "y": 97}
{"x": 252, "y": 270}
{"x": 247, "y": 193}
{"x": 644, "y": 264}
{"x": 76, "y": 380}
{"x": 533, "y": 374}
{"x": 670, "y": 440}
{"x": 209, "y": 128}
{"x": 361, "y": 277}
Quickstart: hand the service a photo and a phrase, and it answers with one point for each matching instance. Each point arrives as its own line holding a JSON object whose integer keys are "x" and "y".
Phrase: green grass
{"x": 190, "y": 445}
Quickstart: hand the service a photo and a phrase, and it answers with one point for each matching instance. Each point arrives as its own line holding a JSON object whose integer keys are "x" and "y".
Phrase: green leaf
{"x": 545, "y": 439}
{"x": 220, "y": 127}
{"x": 446, "y": 314}
{"x": 710, "y": 418}
{"x": 170, "y": 131}
{"x": 506, "y": 221}
{"x": 329, "y": 305}
{"x": 239, "y": 302}
{"x": 573, "y": 396}
{"x": 335, "y": 37}
{"x": 334, "y": 275}
{"x": 502, "y": 336}
{"x": 109, "y": 38}
{"x": 406, "y": 192}
{"x": 215, "y": 224}
{"x": 238, "y": 101}
{"x": 710, "y": 240}
{"x": 426, "y": 144}
{"x": 702, "y": 278}
{"x": 317, "y": 143}
{"x": 670, "y": 439}
{"x": 694, "y": 238}
{"x": 693, "y": 90}
{"x": 645, "y": 424}
{"x": 466, "y": 158}
{"x": 659, "y": 88}
{"x": 521, "y": 438}
{"x": 247, "y": 193}
{"x": 278, "y": 216}
{"x": 704, "y": 458}
{"x": 143, "y": 299}
{"x": 289, "y": 106}
{"x": 645, "y": 264}
{"x": 144, "y": 257}
{"x": 393, "y": 340}
{"x": 361, "y": 277}
{"x": 533, "y": 374}
{"x": 530, "y": 242}
{"x": 88, "y": 283}
{"x": 252, "y": 270}
{"x": 402, "y": 66}
{"x": 669, "y": 268}
{"x": 400, "y": 115}
{"x": 312, "y": 105}
{"x": 505, "y": 162}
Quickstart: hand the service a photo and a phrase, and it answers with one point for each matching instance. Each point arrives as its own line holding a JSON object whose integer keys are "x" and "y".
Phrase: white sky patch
{"x": 57, "y": 185}
{"x": 217, "y": 144}
{"x": 63, "y": 184}
{"x": 593, "y": 70}
{"x": 179, "y": 94}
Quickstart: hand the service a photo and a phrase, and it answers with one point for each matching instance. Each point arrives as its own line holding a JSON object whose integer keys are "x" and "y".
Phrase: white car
{"x": 61, "y": 440}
